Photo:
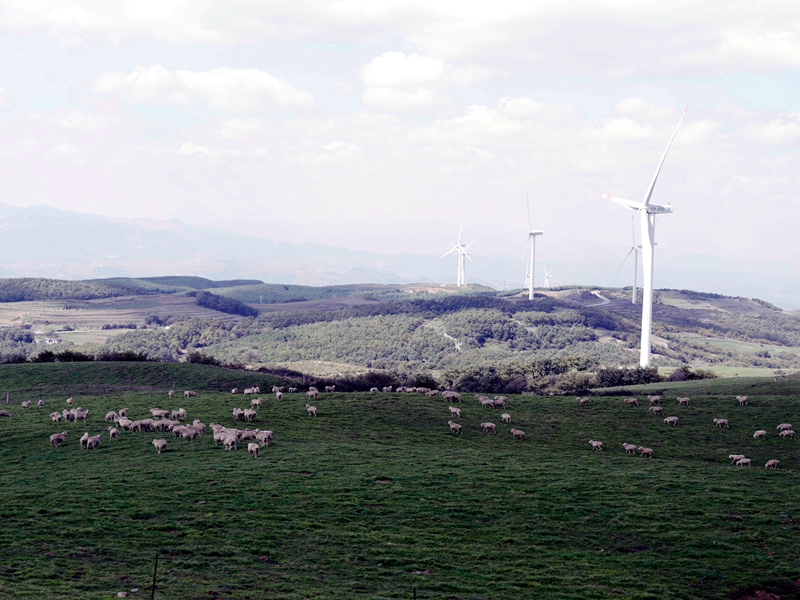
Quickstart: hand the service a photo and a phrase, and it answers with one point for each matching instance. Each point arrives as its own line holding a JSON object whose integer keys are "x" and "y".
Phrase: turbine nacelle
{"x": 659, "y": 209}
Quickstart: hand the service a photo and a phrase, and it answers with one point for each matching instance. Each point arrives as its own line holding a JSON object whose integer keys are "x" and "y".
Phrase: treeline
{"x": 222, "y": 304}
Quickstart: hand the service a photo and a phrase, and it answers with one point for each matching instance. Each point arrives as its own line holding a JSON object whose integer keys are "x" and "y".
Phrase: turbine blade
{"x": 625, "y": 259}
{"x": 528, "y": 202}
{"x": 448, "y": 252}
{"x": 460, "y": 227}
{"x": 629, "y": 204}
{"x": 468, "y": 256}
{"x": 468, "y": 245}
{"x": 663, "y": 157}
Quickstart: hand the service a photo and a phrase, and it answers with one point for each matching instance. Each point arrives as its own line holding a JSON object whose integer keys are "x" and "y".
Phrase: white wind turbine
{"x": 635, "y": 250}
{"x": 647, "y": 213}
{"x": 532, "y": 233}
{"x": 462, "y": 255}
{"x": 547, "y": 275}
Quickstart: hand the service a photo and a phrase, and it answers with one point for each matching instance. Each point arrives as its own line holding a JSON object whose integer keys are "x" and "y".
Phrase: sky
{"x": 322, "y": 120}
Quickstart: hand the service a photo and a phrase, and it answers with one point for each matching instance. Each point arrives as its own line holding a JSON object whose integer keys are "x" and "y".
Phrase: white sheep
{"x": 252, "y": 450}
{"x": 648, "y": 452}
{"x": 683, "y": 401}
{"x": 518, "y": 434}
{"x": 433, "y": 393}
{"x": 455, "y": 428}
{"x": 292, "y": 390}
{"x": 189, "y": 433}
{"x": 311, "y": 410}
{"x": 330, "y": 388}
{"x": 654, "y": 400}
{"x": 4, "y": 413}
{"x": 721, "y": 423}
{"x": 113, "y": 434}
{"x": 583, "y": 401}
{"x": 743, "y": 462}
{"x": 631, "y": 401}
{"x": 111, "y": 416}
{"x": 159, "y": 413}
{"x": 247, "y": 435}
{"x": 69, "y": 401}
{"x": 160, "y": 445}
{"x": 783, "y": 426}
{"x": 84, "y": 439}
{"x": 265, "y": 437}
{"x": 386, "y": 389}
{"x": 312, "y": 393}
{"x": 250, "y": 415}
{"x": 657, "y": 410}
{"x": 256, "y": 402}
{"x": 450, "y": 395}
{"x": 123, "y": 412}
{"x": 735, "y": 457}
{"x": 199, "y": 426}
{"x": 190, "y": 394}
{"x": 171, "y": 393}
{"x": 373, "y": 390}
{"x": 56, "y": 416}
{"x": 629, "y": 448}
{"x": 760, "y": 435}
{"x": 596, "y": 445}
{"x": 230, "y": 442}
{"x": 278, "y": 395}
{"x": 787, "y": 433}
{"x": 93, "y": 442}
{"x": 671, "y": 421}
{"x": 506, "y": 418}
{"x": 238, "y": 414}
{"x": 772, "y": 464}
{"x": 26, "y": 404}
{"x": 235, "y": 391}
{"x": 58, "y": 438}
{"x": 487, "y": 427}
{"x": 742, "y": 400}
{"x": 40, "y": 403}
{"x": 455, "y": 411}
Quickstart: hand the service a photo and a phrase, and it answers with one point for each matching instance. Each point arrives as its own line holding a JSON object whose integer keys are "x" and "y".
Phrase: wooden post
{"x": 155, "y": 570}
{"x": 415, "y": 592}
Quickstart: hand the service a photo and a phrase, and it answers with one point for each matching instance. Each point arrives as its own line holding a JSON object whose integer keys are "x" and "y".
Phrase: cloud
{"x": 74, "y": 119}
{"x": 395, "y": 69}
{"x": 402, "y": 100}
{"x": 226, "y": 89}
{"x": 5, "y": 101}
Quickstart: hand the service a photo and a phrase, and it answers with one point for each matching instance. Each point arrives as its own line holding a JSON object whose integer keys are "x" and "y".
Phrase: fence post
{"x": 415, "y": 592}
{"x": 155, "y": 570}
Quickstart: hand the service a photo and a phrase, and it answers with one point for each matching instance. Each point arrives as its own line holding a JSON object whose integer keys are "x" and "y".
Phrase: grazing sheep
{"x": 230, "y": 442}
{"x": 157, "y": 413}
{"x": 312, "y": 388}
{"x": 735, "y": 457}
{"x": 235, "y": 391}
{"x": 518, "y": 434}
{"x": 69, "y": 416}
{"x": 189, "y": 433}
{"x": 177, "y": 431}
{"x": 330, "y": 388}
{"x": 683, "y": 401}
{"x": 742, "y": 400}
{"x": 452, "y": 396}
{"x": 760, "y": 434}
{"x": 743, "y": 462}
{"x": 252, "y": 450}
{"x": 93, "y": 442}
{"x": 265, "y": 437}
{"x": 124, "y": 412}
{"x": 80, "y": 413}
{"x": 40, "y": 403}
{"x": 487, "y": 402}
{"x": 455, "y": 428}
{"x": 654, "y": 400}
{"x": 111, "y": 416}
{"x": 161, "y": 445}
{"x": 58, "y": 438}
{"x": 246, "y": 435}
{"x": 178, "y": 414}
{"x": 506, "y": 418}
{"x": 629, "y": 448}
{"x": 4, "y": 413}
{"x": 787, "y": 433}
{"x": 56, "y": 416}
{"x": 113, "y": 434}
{"x": 499, "y": 402}
{"x": 783, "y": 426}
{"x": 26, "y": 404}
{"x": 69, "y": 401}
{"x": 311, "y": 410}
{"x": 583, "y": 401}
{"x": 171, "y": 393}
{"x": 433, "y": 393}
{"x": 722, "y": 423}
{"x": 84, "y": 440}
{"x": 596, "y": 445}
{"x": 125, "y": 423}
{"x": 387, "y": 389}
{"x": 631, "y": 401}
{"x": 279, "y": 395}
{"x": 256, "y": 402}
{"x": 455, "y": 411}
{"x": 292, "y": 390}
{"x": 238, "y": 414}
{"x": 648, "y": 452}
{"x": 250, "y": 415}
{"x": 487, "y": 427}
{"x": 373, "y": 389}
{"x": 772, "y": 464}
{"x": 657, "y": 410}
{"x": 219, "y": 436}
{"x": 312, "y": 393}
{"x": 671, "y": 421}
{"x": 199, "y": 426}
{"x": 190, "y": 394}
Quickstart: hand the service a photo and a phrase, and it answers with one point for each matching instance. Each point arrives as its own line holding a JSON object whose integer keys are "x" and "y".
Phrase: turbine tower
{"x": 462, "y": 256}
{"x": 647, "y": 215}
{"x": 635, "y": 250}
{"x": 532, "y": 233}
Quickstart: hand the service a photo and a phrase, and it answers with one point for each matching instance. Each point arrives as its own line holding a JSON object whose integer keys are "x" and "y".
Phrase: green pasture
{"x": 375, "y": 497}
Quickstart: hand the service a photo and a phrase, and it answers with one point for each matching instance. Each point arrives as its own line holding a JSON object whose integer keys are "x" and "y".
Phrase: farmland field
{"x": 375, "y": 497}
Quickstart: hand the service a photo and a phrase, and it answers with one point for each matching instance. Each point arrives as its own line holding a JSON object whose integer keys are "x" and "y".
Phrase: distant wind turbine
{"x": 462, "y": 255}
{"x": 635, "y": 250}
{"x": 647, "y": 213}
{"x": 547, "y": 275}
{"x": 532, "y": 233}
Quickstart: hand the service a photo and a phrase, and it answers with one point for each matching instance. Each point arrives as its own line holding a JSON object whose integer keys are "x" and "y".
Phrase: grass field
{"x": 375, "y": 497}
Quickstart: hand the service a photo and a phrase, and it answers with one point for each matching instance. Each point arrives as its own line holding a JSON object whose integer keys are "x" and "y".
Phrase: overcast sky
{"x": 246, "y": 113}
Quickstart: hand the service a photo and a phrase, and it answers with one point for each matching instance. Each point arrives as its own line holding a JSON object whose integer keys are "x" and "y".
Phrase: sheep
{"x": 84, "y": 440}
{"x": 69, "y": 416}
{"x": 278, "y": 395}
{"x": 671, "y": 421}
{"x": 4, "y": 413}
{"x": 373, "y": 390}
{"x": 583, "y": 401}
{"x": 69, "y": 401}
{"x": 629, "y": 448}
{"x": 56, "y": 416}
{"x": 772, "y": 464}
{"x": 219, "y": 436}
{"x": 113, "y": 434}
{"x": 596, "y": 445}
{"x": 199, "y": 426}
{"x": 250, "y": 415}
{"x": 125, "y": 423}
{"x": 312, "y": 388}
{"x": 40, "y": 403}
{"x": 648, "y": 452}
{"x": 190, "y": 394}
{"x": 787, "y": 433}
{"x": 721, "y": 423}
{"x": 171, "y": 393}
{"x": 760, "y": 434}
{"x": 275, "y": 388}
{"x": 109, "y": 418}
{"x": 124, "y": 412}
{"x": 386, "y": 389}
{"x": 742, "y": 400}
{"x": 312, "y": 393}
{"x": 58, "y": 438}
{"x": 455, "y": 411}
{"x": 80, "y": 413}
{"x": 264, "y": 437}
{"x": 518, "y": 434}
{"x": 501, "y": 402}
{"x": 631, "y": 401}
{"x": 657, "y": 410}
{"x": 455, "y": 428}
{"x": 161, "y": 445}
{"x": 311, "y": 410}
{"x": 743, "y": 462}
{"x": 452, "y": 396}
{"x": 683, "y": 401}
{"x": 487, "y": 402}
{"x": 238, "y": 414}
{"x": 189, "y": 433}
{"x": 252, "y": 450}
{"x": 230, "y": 442}
{"x": 506, "y": 418}
{"x": 783, "y": 426}
{"x": 292, "y": 390}
{"x": 177, "y": 431}
{"x": 178, "y": 414}
{"x": 93, "y": 442}
{"x": 26, "y": 404}
{"x": 330, "y": 388}
{"x": 158, "y": 413}
{"x": 235, "y": 391}
{"x": 433, "y": 393}
{"x": 487, "y": 427}
{"x": 735, "y": 457}
{"x": 654, "y": 400}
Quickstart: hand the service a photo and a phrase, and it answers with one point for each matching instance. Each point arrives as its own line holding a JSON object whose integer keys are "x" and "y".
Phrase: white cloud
{"x": 784, "y": 130}
{"x": 5, "y": 101}
{"x": 74, "y": 119}
{"x": 190, "y": 149}
{"x": 395, "y": 69}
{"x": 233, "y": 90}
{"x": 402, "y": 100}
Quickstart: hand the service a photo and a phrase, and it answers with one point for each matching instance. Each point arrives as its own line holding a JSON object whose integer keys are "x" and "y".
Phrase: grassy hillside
{"x": 375, "y": 497}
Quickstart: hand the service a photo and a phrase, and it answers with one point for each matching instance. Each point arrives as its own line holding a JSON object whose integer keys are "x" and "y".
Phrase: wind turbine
{"x": 547, "y": 275}
{"x": 532, "y": 233}
{"x": 462, "y": 255}
{"x": 647, "y": 214}
{"x": 635, "y": 250}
